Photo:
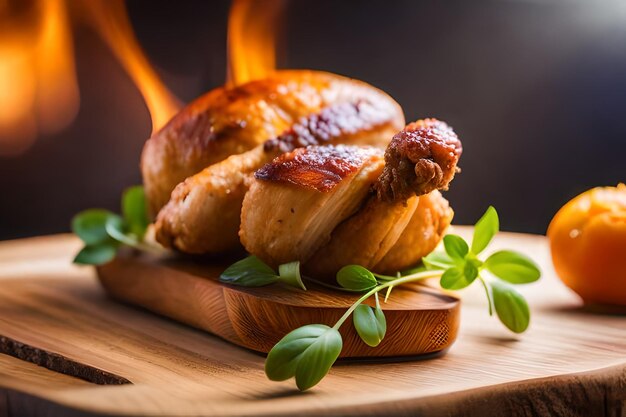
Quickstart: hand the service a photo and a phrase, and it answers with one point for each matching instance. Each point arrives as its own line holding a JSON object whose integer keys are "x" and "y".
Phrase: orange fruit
{"x": 588, "y": 244}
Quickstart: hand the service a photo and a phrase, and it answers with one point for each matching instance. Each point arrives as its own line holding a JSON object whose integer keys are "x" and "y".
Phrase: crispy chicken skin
{"x": 386, "y": 237}
{"x": 298, "y": 199}
{"x": 364, "y": 238}
{"x": 229, "y": 121}
{"x": 203, "y": 213}
{"x": 386, "y": 228}
{"x": 421, "y": 236}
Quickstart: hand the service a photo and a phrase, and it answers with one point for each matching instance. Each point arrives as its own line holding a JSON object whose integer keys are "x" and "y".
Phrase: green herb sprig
{"x": 103, "y": 231}
{"x": 253, "y": 272}
{"x": 309, "y": 352}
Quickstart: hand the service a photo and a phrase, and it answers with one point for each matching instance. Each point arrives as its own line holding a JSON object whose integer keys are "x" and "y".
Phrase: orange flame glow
{"x": 110, "y": 19}
{"x": 38, "y": 90}
{"x": 252, "y": 38}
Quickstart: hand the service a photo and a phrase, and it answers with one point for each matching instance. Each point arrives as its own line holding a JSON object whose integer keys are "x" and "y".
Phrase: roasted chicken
{"x": 329, "y": 206}
{"x": 219, "y": 141}
{"x": 229, "y": 121}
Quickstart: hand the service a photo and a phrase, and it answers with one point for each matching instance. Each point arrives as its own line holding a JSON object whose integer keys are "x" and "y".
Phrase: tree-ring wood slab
{"x": 420, "y": 319}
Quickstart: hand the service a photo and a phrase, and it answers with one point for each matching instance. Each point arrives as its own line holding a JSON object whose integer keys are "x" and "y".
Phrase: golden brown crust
{"x": 386, "y": 231}
{"x": 203, "y": 213}
{"x": 229, "y": 121}
{"x": 345, "y": 120}
{"x": 420, "y": 158}
{"x": 383, "y": 236}
{"x": 317, "y": 167}
{"x": 363, "y": 239}
{"x": 281, "y": 222}
{"x": 421, "y": 235}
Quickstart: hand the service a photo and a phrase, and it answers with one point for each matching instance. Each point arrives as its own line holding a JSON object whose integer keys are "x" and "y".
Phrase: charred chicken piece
{"x": 289, "y": 108}
{"x": 298, "y": 199}
{"x": 386, "y": 230}
{"x": 420, "y": 158}
{"x": 203, "y": 214}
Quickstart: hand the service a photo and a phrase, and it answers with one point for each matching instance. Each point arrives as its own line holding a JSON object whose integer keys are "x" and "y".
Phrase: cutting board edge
{"x": 257, "y": 323}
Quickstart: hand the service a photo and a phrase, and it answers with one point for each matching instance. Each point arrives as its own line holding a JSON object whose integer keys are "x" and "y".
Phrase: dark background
{"x": 535, "y": 89}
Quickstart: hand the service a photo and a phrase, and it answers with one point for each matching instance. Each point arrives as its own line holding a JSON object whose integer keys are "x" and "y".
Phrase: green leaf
{"x": 282, "y": 360}
{"x": 513, "y": 267}
{"x": 249, "y": 272}
{"x": 134, "y": 210}
{"x": 438, "y": 260}
{"x": 96, "y": 254}
{"x": 115, "y": 226}
{"x": 485, "y": 229}
{"x": 454, "y": 279}
{"x": 356, "y": 278}
{"x": 470, "y": 271}
{"x": 289, "y": 273}
{"x": 317, "y": 359}
{"x": 370, "y": 323}
{"x": 306, "y": 353}
{"x": 89, "y": 226}
{"x": 455, "y": 247}
{"x": 511, "y": 306}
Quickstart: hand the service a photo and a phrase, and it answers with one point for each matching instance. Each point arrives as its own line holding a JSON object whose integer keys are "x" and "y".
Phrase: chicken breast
{"x": 203, "y": 213}
{"x": 387, "y": 227}
{"x": 297, "y": 200}
{"x": 230, "y": 121}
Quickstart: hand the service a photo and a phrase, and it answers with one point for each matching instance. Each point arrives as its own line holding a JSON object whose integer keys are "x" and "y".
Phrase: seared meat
{"x": 297, "y": 200}
{"x": 420, "y": 158}
{"x": 383, "y": 227}
{"x": 421, "y": 236}
{"x": 386, "y": 237}
{"x": 306, "y": 106}
{"x": 203, "y": 213}
{"x": 364, "y": 238}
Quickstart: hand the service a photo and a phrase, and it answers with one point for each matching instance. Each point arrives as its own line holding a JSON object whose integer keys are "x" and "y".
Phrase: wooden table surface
{"x": 570, "y": 362}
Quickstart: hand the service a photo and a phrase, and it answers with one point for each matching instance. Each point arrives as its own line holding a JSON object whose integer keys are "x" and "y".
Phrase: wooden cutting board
{"x": 420, "y": 319}
{"x": 570, "y": 362}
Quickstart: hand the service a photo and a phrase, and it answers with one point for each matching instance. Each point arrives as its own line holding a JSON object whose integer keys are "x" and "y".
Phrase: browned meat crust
{"x": 318, "y": 167}
{"x": 202, "y": 215}
{"x": 420, "y": 158}
{"x": 385, "y": 218}
{"x": 229, "y": 121}
{"x": 282, "y": 222}
{"x": 341, "y": 120}
{"x": 421, "y": 236}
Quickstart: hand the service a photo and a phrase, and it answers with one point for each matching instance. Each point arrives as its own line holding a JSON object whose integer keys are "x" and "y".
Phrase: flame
{"x": 110, "y": 19}
{"x": 38, "y": 89}
{"x": 252, "y": 38}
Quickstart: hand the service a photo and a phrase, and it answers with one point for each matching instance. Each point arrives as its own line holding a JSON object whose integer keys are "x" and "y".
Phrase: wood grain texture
{"x": 569, "y": 363}
{"x": 420, "y": 319}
